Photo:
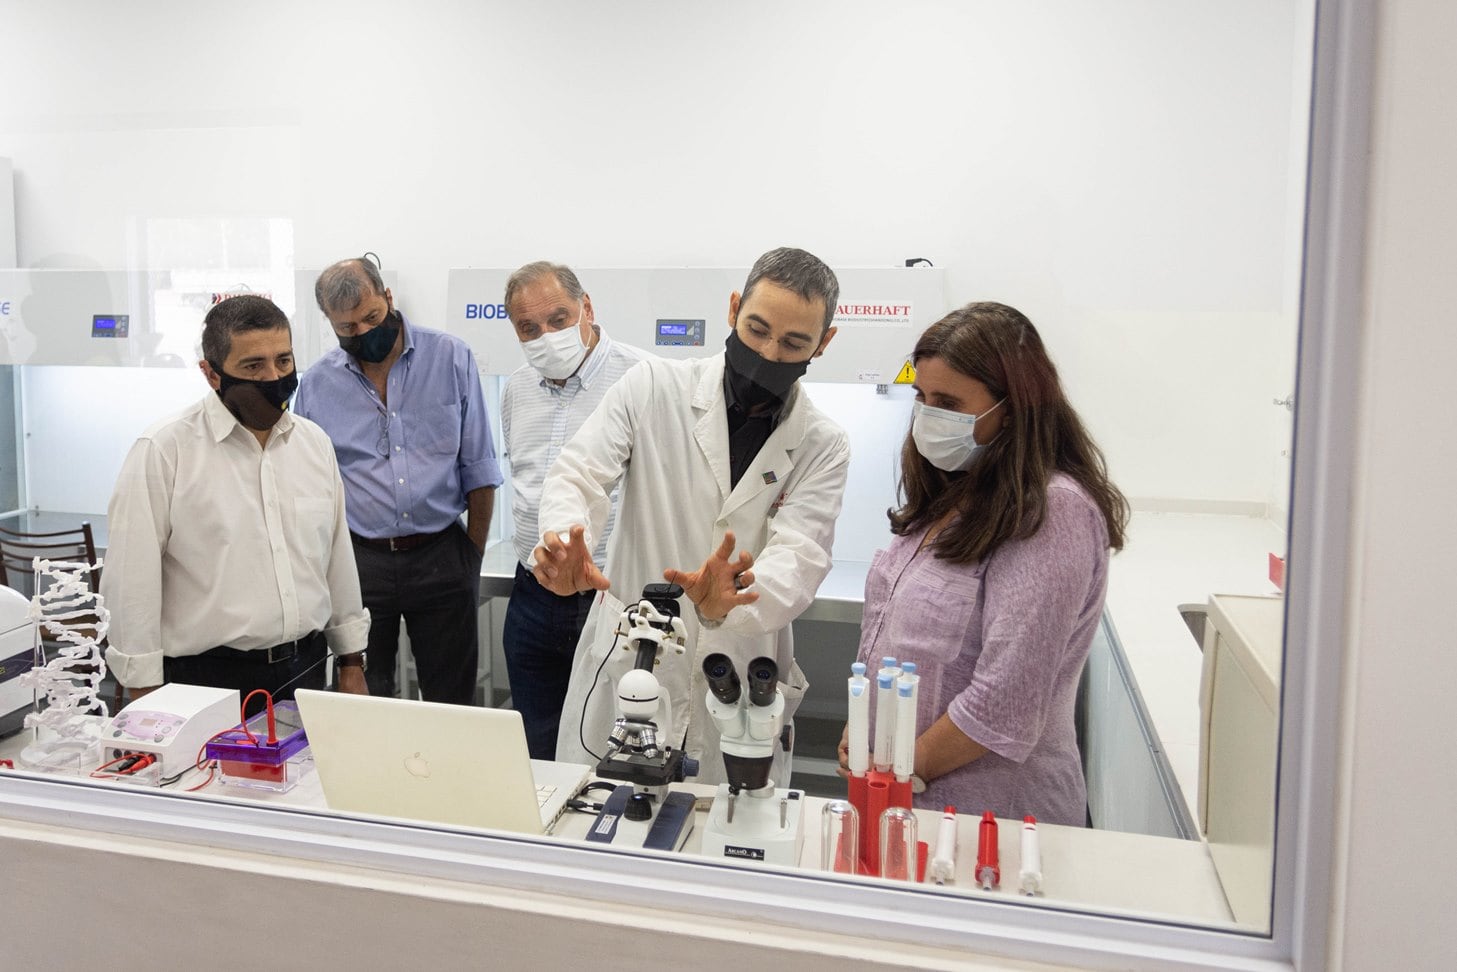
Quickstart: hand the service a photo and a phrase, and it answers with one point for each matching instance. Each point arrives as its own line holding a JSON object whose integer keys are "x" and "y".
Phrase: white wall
{"x": 1121, "y": 171}
{"x": 1400, "y": 778}
{"x": 7, "y": 214}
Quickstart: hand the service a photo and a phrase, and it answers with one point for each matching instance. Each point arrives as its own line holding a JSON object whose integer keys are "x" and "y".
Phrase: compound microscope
{"x": 751, "y": 819}
{"x": 640, "y": 752}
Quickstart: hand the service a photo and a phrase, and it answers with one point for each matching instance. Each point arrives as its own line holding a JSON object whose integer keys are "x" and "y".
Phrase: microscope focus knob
{"x": 639, "y": 807}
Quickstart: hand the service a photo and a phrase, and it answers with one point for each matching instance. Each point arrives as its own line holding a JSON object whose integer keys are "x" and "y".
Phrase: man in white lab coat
{"x": 715, "y": 455}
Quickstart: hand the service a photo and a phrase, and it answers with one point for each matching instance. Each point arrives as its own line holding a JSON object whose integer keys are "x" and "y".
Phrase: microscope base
{"x": 666, "y": 830}
{"x": 765, "y": 829}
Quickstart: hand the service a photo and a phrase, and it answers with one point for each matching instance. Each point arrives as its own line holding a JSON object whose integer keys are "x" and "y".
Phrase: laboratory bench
{"x": 1106, "y": 871}
{"x": 1143, "y": 680}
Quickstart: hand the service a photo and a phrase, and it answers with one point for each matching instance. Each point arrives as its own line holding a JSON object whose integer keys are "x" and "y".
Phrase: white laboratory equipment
{"x": 17, "y": 655}
{"x": 751, "y": 819}
{"x": 172, "y": 723}
{"x": 641, "y": 756}
{"x": 682, "y": 312}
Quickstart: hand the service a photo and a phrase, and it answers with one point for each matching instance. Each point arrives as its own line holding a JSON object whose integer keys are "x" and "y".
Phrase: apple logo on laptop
{"x": 417, "y": 765}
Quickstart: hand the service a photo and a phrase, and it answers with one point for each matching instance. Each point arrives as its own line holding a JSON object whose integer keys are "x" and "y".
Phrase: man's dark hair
{"x": 342, "y": 286}
{"x": 246, "y": 312}
{"x": 798, "y": 271}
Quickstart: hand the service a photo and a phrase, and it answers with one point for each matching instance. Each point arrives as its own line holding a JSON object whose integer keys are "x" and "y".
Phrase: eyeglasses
{"x": 382, "y": 445}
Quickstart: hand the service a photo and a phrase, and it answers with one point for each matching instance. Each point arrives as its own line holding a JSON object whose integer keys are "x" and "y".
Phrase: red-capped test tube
{"x": 988, "y": 875}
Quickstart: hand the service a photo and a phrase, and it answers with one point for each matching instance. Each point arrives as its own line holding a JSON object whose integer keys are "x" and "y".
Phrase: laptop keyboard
{"x": 543, "y": 794}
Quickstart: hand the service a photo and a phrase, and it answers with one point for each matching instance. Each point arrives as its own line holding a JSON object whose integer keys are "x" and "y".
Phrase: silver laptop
{"x": 451, "y": 764}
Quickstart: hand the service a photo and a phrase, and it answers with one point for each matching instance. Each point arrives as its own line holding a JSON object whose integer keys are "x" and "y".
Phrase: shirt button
{"x": 402, "y": 482}
{"x": 397, "y": 448}
{"x": 407, "y": 516}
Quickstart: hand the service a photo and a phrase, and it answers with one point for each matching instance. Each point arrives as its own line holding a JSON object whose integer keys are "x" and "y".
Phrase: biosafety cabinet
{"x": 682, "y": 312}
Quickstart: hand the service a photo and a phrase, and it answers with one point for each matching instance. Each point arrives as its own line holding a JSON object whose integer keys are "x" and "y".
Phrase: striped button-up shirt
{"x": 538, "y": 417}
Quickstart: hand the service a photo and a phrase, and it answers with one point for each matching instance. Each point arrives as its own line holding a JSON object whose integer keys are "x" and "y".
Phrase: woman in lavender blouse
{"x": 994, "y": 581}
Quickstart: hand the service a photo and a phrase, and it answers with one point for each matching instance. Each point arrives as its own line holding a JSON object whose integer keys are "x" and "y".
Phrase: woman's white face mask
{"x": 945, "y": 438}
{"x": 557, "y": 354}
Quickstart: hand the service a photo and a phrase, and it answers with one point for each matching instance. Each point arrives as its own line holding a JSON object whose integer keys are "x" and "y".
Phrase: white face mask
{"x": 944, "y": 438}
{"x": 557, "y": 354}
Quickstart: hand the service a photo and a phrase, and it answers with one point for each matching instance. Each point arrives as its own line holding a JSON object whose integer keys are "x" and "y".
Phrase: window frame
{"x": 1323, "y": 464}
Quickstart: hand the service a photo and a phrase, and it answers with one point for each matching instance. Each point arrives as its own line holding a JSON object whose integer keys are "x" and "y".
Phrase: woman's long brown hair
{"x": 1003, "y": 496}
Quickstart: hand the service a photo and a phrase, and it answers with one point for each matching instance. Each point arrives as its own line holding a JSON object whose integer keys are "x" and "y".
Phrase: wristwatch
{"x": 352, "y": 660}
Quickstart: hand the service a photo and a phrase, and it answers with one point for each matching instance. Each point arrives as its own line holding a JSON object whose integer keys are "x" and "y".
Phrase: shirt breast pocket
{"x": 934, "y": 611}
{"x": 314, "y": 522}
{"x": 437, "y": 431}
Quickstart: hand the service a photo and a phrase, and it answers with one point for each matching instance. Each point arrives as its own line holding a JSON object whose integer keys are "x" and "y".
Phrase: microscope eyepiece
{"x": 723, "y": 681}
{"x": 763, "y": 681}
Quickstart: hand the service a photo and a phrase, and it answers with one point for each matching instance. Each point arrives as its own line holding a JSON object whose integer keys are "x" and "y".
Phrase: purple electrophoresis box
{"x": 236, "y": 745}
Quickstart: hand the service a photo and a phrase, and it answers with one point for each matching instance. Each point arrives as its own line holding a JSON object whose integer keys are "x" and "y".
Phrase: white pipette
{"x": 905, "y": 728}
{"x": 885, "y": 714}
{"x": 859, "y": 701}
{"x": 1031, "y": 867}
{"x": 943, "y": 865}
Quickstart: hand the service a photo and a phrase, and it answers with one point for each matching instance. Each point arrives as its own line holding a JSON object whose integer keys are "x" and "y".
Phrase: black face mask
{"x": 755, "y": 379}
{"x": 375, "y": 344}
{"x": 257, "y": 404}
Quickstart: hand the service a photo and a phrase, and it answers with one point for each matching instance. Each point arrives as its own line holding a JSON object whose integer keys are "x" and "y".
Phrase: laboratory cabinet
{"x": 1239, "y": 705}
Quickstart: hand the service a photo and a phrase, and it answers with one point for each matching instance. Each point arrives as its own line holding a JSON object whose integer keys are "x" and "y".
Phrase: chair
{"x": 18, "y": 550}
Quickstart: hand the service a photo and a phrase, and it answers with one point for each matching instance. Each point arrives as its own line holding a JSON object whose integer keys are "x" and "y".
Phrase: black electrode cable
{"x": 582, "y": 719}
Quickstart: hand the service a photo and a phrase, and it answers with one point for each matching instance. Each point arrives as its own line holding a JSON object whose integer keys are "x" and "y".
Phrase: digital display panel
{"x": 679, "y": 332}
{"x": 109, "y": 325}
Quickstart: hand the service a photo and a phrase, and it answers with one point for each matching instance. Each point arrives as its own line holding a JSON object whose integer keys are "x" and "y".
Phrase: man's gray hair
{"x": 533, "y": 272}
{"x": 798, "y": 271}
{"x": 346, "y": 283}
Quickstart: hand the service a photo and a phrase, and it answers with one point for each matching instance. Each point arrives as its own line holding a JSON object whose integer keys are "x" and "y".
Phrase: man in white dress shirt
{"x": 571, "y": 362}
{"x": 229, "y": 562}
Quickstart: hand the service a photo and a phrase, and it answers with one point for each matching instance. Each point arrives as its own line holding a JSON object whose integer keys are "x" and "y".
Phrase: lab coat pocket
{"x": 793, "y": 688}
{"x": 603, "y": 624}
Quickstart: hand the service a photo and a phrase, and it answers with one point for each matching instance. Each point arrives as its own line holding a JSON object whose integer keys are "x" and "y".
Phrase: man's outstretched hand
{"x": 564, "y": 566}
{"x": 718, "y": 586}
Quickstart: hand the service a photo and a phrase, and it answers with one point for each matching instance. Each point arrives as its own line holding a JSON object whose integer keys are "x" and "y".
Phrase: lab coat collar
{"x": 772, "y": 465}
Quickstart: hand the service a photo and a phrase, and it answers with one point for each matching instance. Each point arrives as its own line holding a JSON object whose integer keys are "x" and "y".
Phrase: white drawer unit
{"x": 1239, "y": 705}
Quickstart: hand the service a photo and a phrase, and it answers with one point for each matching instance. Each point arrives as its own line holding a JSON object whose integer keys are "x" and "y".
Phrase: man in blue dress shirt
{"x": 403, "y": 406}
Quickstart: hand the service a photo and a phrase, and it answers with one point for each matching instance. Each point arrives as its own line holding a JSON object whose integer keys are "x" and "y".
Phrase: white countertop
{"x": 1105, "y": 871}
{"x": 1172, "y": 559}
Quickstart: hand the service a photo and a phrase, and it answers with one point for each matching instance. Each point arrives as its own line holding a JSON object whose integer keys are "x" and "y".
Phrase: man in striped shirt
{"x": 571, "y": 362}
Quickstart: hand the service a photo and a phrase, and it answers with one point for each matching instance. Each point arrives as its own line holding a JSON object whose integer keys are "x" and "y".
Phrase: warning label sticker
{"x": 907, "y": 375}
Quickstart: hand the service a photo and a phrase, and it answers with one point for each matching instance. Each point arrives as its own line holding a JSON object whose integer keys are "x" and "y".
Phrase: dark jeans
{"x": 435, "y": 589}
{"x": 540, "y": 638}
{"x": 304, "y": 670}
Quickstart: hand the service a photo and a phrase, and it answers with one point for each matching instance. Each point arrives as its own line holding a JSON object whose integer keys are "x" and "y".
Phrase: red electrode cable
{"x": 268, "y": 702}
